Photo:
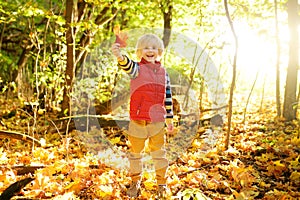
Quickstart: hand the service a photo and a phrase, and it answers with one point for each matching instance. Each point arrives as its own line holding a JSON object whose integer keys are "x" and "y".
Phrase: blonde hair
{"x": 149, "y": 40}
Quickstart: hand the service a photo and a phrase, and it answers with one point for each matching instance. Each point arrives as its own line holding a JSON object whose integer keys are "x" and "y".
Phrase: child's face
{"x": 150, "y": 53}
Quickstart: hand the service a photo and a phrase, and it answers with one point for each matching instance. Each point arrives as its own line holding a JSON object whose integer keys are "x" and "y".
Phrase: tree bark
{"x": 69, "y": 74}
{"x": 167, "y": 14}
{"x": 290, "y": 99}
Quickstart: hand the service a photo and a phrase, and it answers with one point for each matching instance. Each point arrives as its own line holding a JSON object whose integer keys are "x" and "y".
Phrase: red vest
{"x": 147, "y": 93}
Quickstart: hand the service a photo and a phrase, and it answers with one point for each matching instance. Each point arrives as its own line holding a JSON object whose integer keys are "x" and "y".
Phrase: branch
{"x": 19, "y": 136}
{"x": 100, "y": 21}
{"x": 86, "y": 39}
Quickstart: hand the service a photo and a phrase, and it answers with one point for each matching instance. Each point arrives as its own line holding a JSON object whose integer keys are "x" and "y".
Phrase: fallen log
{"x": 26, "y": 169}
{"x": 19, "y": 136}
{"x": 79, "y": 122}
{"x": 15, "y": 188}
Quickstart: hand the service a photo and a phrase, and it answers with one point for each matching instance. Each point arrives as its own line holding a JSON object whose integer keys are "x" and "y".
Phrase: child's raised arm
{"x": 116, "y": 51}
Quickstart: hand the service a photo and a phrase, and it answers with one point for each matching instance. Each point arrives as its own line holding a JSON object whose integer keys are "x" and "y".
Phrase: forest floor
{"x": 262, "y": 162}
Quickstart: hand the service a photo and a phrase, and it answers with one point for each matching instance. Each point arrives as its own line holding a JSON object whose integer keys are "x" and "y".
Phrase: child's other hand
{"x": 116, "y": 51}
{"x": 170, "y": 128}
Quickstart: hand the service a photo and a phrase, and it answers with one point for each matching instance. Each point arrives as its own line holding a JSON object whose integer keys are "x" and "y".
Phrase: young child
{"x": 150, "y": 109}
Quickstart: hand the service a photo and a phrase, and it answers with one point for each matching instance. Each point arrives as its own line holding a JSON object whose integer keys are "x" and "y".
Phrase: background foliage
{"x": 33, "y": 50}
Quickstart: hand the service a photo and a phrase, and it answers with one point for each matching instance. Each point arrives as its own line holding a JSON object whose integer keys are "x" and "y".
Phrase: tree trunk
{"x": 290, "y": 100}
{"x": 167, "y": 14}
{"x": 232, "y": 87}
{"x": 69, "y": 74}
{"x": 278, "y": 102}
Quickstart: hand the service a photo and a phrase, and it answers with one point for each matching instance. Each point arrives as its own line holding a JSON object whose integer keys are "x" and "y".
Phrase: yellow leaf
{"x": 149, "y": 185}
{"x": 265, "y": 185}
{"x": 278, "y": 164}
{"x": 265, "y": 157}
{"x": 174, "y": 181}
{"x": 276, "y": 168}
{"x": 148, "y": 175}
{"x": 295, "y": 177}
{"x": 197, "y": 143}
{"x": 105, "y": 190}
{"x": 115, "y": 140}
{"x": 48, "y": 194}
{"x": 237, "y": 195}
{"x": 200, "y": 196}
{"x": 295, "y": 141}
{"x": 295, "y": 164}
{"x": 74, "y": 186}
{"x": 146, "y": 194}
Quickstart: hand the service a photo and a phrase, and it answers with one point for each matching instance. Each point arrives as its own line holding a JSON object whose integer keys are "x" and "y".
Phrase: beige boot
{"x": 134, "y": 189}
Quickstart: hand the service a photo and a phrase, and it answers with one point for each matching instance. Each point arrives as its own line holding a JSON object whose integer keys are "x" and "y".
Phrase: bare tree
{"x": 232, "y": 87}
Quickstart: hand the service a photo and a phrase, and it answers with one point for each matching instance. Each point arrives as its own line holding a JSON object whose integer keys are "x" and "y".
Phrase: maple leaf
{"x": 294, "y": 164}
{"x": 74, "y": 185}
{"x": 295, "y": 177}
{"x": 121, "y": 37}
{"x": 242, "y": 175}
{"x": 276, "y": 168}
{"x": 105, "y": 190}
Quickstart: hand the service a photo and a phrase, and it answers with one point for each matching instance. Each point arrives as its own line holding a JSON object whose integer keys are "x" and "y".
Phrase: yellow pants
{"x": 139, "y": 132}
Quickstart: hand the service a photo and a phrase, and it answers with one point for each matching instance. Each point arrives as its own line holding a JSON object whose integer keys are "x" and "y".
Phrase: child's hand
{"x": 116, "y": 51}
{"x": 170, "y": 128}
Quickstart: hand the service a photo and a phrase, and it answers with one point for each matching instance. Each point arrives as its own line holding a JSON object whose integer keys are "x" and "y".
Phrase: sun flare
{"x": 257, "y": 53}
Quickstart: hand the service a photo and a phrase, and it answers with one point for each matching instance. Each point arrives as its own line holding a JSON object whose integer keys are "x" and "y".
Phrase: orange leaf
{"x": 76, "y": 186}
{"x": 116, "y": 30}
{"x": 121, "y": 37}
